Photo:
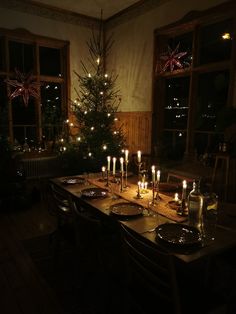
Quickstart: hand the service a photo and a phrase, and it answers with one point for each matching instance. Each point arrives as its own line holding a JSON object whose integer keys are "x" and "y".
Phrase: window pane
{"x": 2, "y": 53}
{"x": 213, "y": 47}
{"x": 211, "y": 98}
{"x": 22, "y": 114}
{"x": 51, "y": 109}
{"x": 3, "y": 108}
{"x": 176, "y": 106}
{"x": 23, "y": 60}
{"x": 173, "y": 145}
{"x": 50, "y": 63}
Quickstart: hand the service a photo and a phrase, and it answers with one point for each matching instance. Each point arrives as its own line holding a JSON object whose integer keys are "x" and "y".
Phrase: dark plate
{"x": 126, "y": 209}
{"x": 73, "y": 180}
{"x": 168, "y": 187}
{"x": 178, "y": 234}
{"x": 94, "y": 192}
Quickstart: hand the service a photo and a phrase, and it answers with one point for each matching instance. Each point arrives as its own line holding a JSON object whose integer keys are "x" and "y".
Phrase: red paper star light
{"x": 172, "y": 59}
{"x": 25, "y": 86}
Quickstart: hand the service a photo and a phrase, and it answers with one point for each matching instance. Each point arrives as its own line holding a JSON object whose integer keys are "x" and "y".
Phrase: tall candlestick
{"x": 114, "y": 166}
{"x": 139, "y": 155}
{"x": 108, "y": 163}
{"x": 121, "y": 164}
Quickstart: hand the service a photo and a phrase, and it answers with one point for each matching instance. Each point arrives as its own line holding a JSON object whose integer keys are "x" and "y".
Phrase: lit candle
{"x": 121, "y": 164}
{"x": 114, "y": 165}
{"x": 103, "y": 172}
{"x": 184, "y": 189}
{"x": 145, "y": 185}
{"x": 153, "y": 174}
{"x": 126, "y": 155}
{"x": 108, "y": 163}
{"x": 139, "y": 155}
{"x": 176, "y": 198}
{"x": 158, "y": 175}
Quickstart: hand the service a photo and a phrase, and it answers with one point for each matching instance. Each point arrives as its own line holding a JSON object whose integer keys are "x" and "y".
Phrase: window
{"x": 193, "y": 82}
{"x": 45, "y": 60}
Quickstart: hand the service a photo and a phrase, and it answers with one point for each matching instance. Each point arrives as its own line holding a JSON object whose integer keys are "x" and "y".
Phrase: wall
{"x": 132, "y": 54}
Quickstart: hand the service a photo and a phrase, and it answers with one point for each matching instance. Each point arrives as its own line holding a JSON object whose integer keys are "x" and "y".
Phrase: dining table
{"x": 147, "y": 214}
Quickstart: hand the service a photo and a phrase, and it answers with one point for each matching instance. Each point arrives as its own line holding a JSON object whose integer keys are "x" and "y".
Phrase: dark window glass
{"x": 213, "y": 47}
{"x": 176, "y": 106}
{"x": 21, "y": 57}
{"x": 51, "y": 109}
{"x": 2, "y": 53}
{"x": 3, "y": 107}
{"x": 23, "y": 114}
{"x": 173, "y": 144}
{"x": 50, "y": 63}
{"x": 211, "y": 98}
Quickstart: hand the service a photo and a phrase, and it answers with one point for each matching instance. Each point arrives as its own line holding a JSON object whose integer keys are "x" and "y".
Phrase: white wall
{"x": 132, "y": 52}
{"x": 77, "y": 35}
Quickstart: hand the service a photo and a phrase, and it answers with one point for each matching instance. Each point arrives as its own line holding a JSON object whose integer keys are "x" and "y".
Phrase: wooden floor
{"x": 31, "y": 281}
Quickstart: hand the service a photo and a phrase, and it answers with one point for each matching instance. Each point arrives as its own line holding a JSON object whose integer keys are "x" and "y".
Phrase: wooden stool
{"x": 225, "y": 158}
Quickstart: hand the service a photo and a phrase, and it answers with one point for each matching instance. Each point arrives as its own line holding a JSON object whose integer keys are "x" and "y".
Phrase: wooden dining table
{"x": 220, "y": 240}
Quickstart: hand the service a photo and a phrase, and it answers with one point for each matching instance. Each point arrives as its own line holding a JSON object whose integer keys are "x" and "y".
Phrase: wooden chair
{"x": 61, "y": 207}
{"x": 152, "y": 280}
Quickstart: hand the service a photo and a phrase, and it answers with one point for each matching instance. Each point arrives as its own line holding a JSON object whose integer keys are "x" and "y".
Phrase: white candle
{"x": 176, "y": 198}
{"x": 108, "y": 163}
{"x": 126, "y": 154}
{"x": 114, "y": 165}
{"x": 103, "y": 169}
{"x": 139, "y": 155}
{"x": 184, "y": 189}
{"x": 121, "y": 164}
{"x": 158, "y": 175}
{"x": 153, "y": 173}
{"x": 145, "y": 185}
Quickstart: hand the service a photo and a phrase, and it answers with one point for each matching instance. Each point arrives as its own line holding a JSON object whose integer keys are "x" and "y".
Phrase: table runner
{"x": 161, "y": 206}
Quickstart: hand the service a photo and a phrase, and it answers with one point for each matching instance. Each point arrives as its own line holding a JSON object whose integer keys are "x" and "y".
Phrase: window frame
{"x": 192, "y": 22}
{"x": 24, "y": 36}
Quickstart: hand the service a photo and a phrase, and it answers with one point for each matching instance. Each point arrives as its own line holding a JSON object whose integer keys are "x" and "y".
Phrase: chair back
{"x": 152, "y": 280}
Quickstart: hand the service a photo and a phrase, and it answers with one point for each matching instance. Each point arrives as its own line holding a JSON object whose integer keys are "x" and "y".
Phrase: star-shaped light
{"x": 172, "y": 58}
{"x": 25, "y": 86}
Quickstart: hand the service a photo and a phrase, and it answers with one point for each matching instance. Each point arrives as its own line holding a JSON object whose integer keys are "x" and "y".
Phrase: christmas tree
{"x": 96, "y": 106}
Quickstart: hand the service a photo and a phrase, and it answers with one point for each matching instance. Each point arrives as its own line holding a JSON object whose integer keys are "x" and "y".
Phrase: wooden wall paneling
{"x": 137, "y": 130}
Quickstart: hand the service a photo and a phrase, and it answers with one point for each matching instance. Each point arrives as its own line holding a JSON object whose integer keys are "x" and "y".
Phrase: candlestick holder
{"x": 139, "y": 163}
{"x": 153, "y": 194}
{"x": 121, "y": 181}
{"x": 182, "y": 209}
{"x": 157, "y": 197}
{"x": 139, "y": 196}
{"x": 107, "y": 178}
{"x": 126, "y": 174}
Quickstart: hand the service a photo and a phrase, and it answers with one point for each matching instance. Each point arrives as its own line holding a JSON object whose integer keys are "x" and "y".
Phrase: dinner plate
{"x": 94, "y": 192}
{"x": 126, "y": 209}
{"x": 178, "y": 234}
{"x": 73, "y": 180}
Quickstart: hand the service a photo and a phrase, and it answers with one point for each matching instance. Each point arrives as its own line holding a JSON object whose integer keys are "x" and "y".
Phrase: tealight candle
{"x": 176, "y": 198}
{"x": 139, "y": 155}
{"x": 114, "y": 165}
{"x": 108, "y": 163}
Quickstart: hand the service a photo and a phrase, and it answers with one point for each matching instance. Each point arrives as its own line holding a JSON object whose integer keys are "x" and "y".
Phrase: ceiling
{"x": 91, "y": 8}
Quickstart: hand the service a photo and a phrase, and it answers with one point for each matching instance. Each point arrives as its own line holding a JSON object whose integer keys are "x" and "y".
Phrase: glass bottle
{"x": 195, "y": 206}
